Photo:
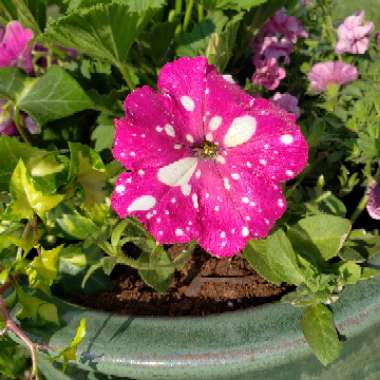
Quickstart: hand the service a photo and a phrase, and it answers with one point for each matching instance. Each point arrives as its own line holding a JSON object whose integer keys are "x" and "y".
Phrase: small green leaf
{"x": 274, "y": 259}
{"x": 36, "y": 309}
{"x": 103, "y": 134}
{"x": 88, "y": 170}
{"x": 76, "y": 225}
{"x": 320, "y": 235}
{"x": 42, "y": 271}
{"x": 26, "y": 198}
{"x": 54, "y": 96}
{"x": 39, "y": 162}
{"x": 320, "y": 332}
{"x": 70, "y": 352}
{"x": 12, "y": 82}
{"x": 350, "y": 272}
{"x": 158, "y": 278}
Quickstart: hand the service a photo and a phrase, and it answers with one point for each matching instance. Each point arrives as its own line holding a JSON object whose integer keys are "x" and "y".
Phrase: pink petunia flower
{"x": 273, "y": 47}
{"x": 268, "y": 74}
{"x": 289, "y": 26}
{"x": 14, "y": 46}
{"x": 373, "y": 204}
{"x": 378, "y": 40}
{"x": 353, "y": 34}
{"x": 331, "y": 72}
{"x": 287, "y": 102}
{"x": 7, "y": 126}
{"x": 206, "y": 160}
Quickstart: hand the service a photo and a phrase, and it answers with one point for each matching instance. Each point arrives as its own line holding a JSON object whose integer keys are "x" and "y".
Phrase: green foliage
{"x": 13, "y": 359}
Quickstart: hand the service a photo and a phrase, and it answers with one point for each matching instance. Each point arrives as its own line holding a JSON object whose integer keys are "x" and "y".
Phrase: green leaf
{"x": 87, "y": 169}
{"x": 350, "y": 272}
{"x": 76, "y": 225}
{"x": 26, "y": 198}
{"x": 238, "y": 5}
{"x": 54, "y": 96}
{"x": 274, "y": 259}
{"x": 13, "y": 359}
{"x": 70, "y": 353}
{"x": 39, "y": 162}
{"x": 320, "y": 332}
{"x": 320, "y": 235}
{"x": 158, "y": 278}
{"x": 103, "y": 134}
{"x": 42, "y": 271}
{"x": 105, "y": 31}
{"x": 12, "y": 235}
{"x": 195, "y": 42}
{"x": 36, "y": 309}
{"x": 12, "y": 82}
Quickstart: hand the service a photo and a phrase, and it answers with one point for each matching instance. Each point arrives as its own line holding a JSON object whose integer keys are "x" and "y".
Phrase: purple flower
{"x": 287, "y": 102}
{"x": 273, "y": 47}
{"x": 288, "y": 26}
{"x": 331, "y": 72}
{"x": 7, "y": 126}
{"x": 373, "y": 205}
{"x": 14, "y": 46}
{"x": 378, "y": 40}
{"x": 268, "y": 74}
{"x": 353, "y": 34}
{"x": 205, "y": 159}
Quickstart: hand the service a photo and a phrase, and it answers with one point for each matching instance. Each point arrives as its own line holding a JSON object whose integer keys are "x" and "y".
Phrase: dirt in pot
{"x": 205, "y": 285}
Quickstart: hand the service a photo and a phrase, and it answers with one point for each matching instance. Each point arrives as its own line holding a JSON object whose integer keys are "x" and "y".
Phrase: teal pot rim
{"x": 222, "y": 346}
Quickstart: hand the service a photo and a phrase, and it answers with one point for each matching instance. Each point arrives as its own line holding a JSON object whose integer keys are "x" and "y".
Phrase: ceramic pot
{"x": 260, "y": 343}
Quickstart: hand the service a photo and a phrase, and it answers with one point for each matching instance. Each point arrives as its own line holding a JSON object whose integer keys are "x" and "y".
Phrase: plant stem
{"x": 20, "y": 128}
{"x": 125, "y": 74}
{"x": 359, "y": 208}
{"x": 201, "y": 12}
{"x": 188, "y": 12}
{"x": 10, "y": 325}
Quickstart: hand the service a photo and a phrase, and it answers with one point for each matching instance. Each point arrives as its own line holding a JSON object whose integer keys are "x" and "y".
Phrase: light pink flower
{"x": 331, "y": 72}
{"x": 14, "y": 46}
{"x": 268, "y": 74}
{"x": 378, "y": 40}
{"x": 206, "y": 160}
{"x": 353, "y": 34}
{"x": 287, "y": 102}
{"x": 7, "y": 126}
{"x": 373, "y": 205}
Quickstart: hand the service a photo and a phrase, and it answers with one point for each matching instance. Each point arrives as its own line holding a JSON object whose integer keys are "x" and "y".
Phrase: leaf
{"x": 105, "y": 31}
{"x": 274, "y": 259}
{"x": 70, "y": 352}
{"x": 12, "y": 82}
{"x": 54, "y": 96}
{"x": 103, "y": 134}
{"x": 13, "y": 236}
{"x": 238, "y": 5}
{"x": 87, "y": 168}
{"x": 13, "y": 359}
{"x": 320, "y": 235}
{"x": 76, "y": 225}
{"x": 158, "y": 278}
{"x": 42, "y": 271}
{"x": 195, "y": 42}
{"x": 26, "y": 198}
{"x": 320, "y": 333}
{"x": 36, "y": 309}
{"x": 39, "y": 162}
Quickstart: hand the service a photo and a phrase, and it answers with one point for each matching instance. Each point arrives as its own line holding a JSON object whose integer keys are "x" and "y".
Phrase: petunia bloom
{"x": 373, "y": 204}
{"x": 378, "y": 40}
{"x": 331, "y": 72}
{"x": 14, "y": 46}
{"x": 268, "y": 74}
{"x": 206, "y": 160}
{"x": 353, "y": 34}
{"x": 287, "y": 102}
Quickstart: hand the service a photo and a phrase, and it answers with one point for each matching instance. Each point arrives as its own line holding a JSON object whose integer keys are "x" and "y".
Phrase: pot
{"x": 260, "y": 343}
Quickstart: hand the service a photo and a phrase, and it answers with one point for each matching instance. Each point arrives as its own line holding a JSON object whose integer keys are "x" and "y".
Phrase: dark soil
{"x": 205, "y": 285}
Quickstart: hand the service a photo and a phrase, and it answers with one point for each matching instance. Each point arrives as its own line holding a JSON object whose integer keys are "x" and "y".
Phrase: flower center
{"x": 206, "y": 150}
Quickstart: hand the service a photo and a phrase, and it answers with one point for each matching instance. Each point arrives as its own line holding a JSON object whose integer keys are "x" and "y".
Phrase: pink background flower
{"x": 331, "y": 72}
{"x": 353, "y": 34}
{"x": 287, "y": 102}
{"x": 206, "y": 160}
{"x": 14, "y": 46}
{"x": 268, "y": 74}
{"x": 373, "y": 205}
